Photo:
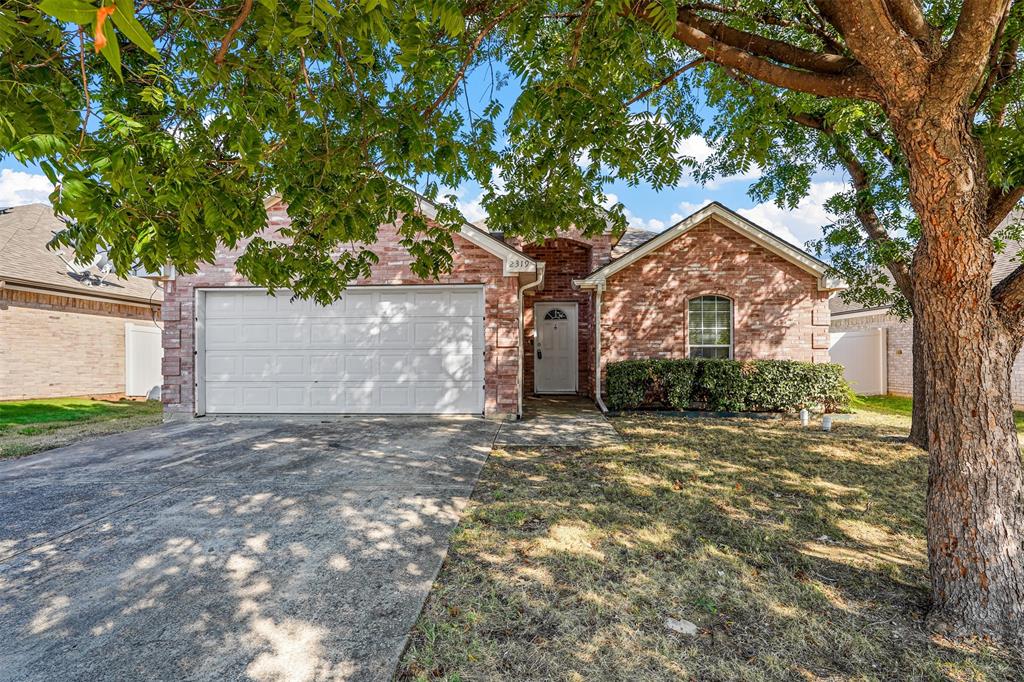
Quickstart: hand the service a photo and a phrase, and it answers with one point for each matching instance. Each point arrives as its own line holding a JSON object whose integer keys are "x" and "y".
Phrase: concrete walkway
{"x": 233, "y": 550}
{"x": 558, "y": 422}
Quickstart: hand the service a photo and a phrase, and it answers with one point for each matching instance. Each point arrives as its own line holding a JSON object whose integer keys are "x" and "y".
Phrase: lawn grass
{"x": 798, "y": 554}
{"x": 899, "y": 405}
{"x": 28, "y": 426}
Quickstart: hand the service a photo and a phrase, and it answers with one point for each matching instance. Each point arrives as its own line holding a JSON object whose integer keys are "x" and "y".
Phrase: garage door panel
{"x": 413, "y": 350}
{"x": 394, "y": 334}
{"x": 258, "y": 333}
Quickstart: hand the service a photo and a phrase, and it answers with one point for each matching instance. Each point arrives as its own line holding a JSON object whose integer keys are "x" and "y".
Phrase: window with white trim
{"x": 710, "y": 327}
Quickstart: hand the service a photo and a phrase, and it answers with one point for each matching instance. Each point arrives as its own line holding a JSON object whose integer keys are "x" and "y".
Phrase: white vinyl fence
{"x": 862, "y": 355}
{"x": 143, "y": 355}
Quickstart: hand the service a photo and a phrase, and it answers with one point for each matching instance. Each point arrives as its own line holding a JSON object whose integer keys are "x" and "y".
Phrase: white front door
{"x": 386, "y": 350}
{"x": 555, "y": 367}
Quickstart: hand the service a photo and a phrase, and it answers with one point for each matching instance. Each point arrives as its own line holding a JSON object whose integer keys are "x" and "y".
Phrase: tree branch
{"x": 963, "y": 63}
{"x": 225, "y": 42}
{"x": 869, "y": 220}
{"x": 854, "y": 83}
{"x": 1001, "y": 63}
{"x": 474, "y": 46}
{"x": 666, "y": 80}
{"x": 578, "y": 30}
{"x": 770, "y": 19}
{"x": 767, "y": 47}
{"x": 1000, "y": 204}
{"x": 871, "y": 34}
{"x": 911, "y": 19}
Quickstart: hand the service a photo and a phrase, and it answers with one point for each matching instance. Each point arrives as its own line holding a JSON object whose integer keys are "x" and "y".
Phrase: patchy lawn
{"x": 28, "y": 426}
{"x": 798, "y": 554}
{"x": 898, "y": 405}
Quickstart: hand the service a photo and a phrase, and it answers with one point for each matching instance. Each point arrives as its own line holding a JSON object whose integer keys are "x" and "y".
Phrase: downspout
{"x": 598, "y": 294}
{"x": 522, "y": 333}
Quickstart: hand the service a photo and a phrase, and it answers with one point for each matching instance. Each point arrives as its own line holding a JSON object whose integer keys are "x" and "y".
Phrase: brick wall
{"x": 472, "y": 265}
{"x": 778, "y": 312}
{"x": 564, "y": 260}
{"x": 55, "y": 346}
{"x": 899, "y": 354}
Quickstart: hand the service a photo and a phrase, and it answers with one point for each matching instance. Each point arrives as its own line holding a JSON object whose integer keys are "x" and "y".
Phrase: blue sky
{"x": 645, "y": 207}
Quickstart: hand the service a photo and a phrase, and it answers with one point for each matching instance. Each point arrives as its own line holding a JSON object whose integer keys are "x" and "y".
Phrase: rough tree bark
{"x": 919, "y": 415}
{"x": 975, "y": 503}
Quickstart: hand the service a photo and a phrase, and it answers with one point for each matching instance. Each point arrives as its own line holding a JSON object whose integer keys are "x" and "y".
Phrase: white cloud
{"x": 697, "y": 148}
{"x": 802, "y": 223}
{"x": 18, "y": 188}
{"x": 650, "y": 224}
{"x": 473, "y": 209}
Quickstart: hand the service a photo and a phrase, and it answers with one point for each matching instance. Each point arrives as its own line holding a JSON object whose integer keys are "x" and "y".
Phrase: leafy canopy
{"x": 165, "y": 124}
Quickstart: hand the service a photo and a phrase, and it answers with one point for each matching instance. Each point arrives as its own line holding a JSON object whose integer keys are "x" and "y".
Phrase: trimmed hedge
{"x": 726, "y": 385}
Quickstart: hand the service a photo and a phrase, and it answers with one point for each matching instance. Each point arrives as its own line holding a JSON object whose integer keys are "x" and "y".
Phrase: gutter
{"x": 597, "y": 346}
{"x": 522, "y": 333}
{"x": 36, "y": 288}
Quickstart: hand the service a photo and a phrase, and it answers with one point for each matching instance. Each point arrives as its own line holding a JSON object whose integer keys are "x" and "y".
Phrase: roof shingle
{"x": 24, "y": 258}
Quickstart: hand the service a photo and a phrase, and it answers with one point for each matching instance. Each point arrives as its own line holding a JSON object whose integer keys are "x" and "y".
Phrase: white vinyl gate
{"x": 862, "y": 354}
{"x": 143, "y": 354}
{"x": 377, "y": 350}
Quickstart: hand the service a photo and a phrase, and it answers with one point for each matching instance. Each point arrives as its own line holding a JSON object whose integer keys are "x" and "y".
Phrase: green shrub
{"x": 629, "y": 384}
{"x": 679, "y": 379}
{"x": 726, "y": 385}
{"x": 721, "y": 385}
{"x": 633, "y": 384}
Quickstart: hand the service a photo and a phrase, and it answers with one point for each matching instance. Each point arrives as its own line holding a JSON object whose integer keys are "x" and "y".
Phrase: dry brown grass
{"x": 799, "y": 554}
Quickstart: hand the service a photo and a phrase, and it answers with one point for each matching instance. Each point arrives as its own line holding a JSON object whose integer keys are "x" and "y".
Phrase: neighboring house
{"x": 509, "y": 320}
{"x": 876, "y": 348}
{"x": 64, "y": 328}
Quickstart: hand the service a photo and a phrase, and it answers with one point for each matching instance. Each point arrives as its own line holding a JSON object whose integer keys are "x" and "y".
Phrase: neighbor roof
{"x": 755, "y": 233}
{"x": 630, "y": 239}
{"x": 1005, "y": 262}
{"x": 25, "y": 260}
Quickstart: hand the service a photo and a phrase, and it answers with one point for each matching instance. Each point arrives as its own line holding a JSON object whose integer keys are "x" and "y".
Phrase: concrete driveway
{"x": 243, "y": 549}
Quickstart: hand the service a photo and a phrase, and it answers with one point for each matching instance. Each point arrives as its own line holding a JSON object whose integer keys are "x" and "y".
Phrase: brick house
{"x": 509, "y": 320}
{"x": 64, "y": 329}
{"x": 876, "y": 347}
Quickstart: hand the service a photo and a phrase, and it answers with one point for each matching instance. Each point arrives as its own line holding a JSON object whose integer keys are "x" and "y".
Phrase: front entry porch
{"x": 557, "y": 421}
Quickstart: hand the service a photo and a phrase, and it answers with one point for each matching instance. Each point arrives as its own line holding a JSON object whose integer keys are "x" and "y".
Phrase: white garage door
{"x": 377, "y": 350}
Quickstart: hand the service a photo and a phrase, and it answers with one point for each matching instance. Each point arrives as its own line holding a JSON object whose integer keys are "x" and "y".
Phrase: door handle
{"x": 540, "y": 355}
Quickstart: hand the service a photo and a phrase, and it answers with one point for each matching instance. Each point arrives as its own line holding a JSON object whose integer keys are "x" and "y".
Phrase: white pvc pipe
{"x": 599, "y": 291}
{"x": 522, "y": 333}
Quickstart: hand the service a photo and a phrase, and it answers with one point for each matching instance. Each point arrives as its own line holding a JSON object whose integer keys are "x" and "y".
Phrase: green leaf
{"x": 124, "y": 19}
{"x": 327, "y": 8}
{"x": 73, "y": 11}
{"x": 112, "y": 51}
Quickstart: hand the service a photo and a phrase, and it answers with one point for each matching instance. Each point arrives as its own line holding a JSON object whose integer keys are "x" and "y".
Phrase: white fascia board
{"x": 861, "y": 312}
{"x": 733, "y": 220}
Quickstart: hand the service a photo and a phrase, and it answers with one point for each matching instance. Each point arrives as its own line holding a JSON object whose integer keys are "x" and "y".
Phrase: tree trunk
{"x": 975, "y": 503}
{"x": 919, "y": 415}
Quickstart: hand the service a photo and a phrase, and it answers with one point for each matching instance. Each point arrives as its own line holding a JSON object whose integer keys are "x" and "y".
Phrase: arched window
{"x": 556, "y": 314}
{"x": 710, "y": 332}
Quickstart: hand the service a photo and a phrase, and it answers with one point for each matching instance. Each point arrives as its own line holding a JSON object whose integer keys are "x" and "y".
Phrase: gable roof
{"x": 730, "y": 218}
{"x": 514, "y": 261}
{"x": 25, "y": 260}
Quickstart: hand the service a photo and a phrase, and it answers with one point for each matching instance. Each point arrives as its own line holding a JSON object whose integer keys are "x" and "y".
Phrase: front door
{"x": 555, "y": 367}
